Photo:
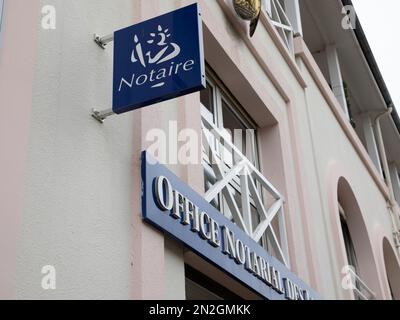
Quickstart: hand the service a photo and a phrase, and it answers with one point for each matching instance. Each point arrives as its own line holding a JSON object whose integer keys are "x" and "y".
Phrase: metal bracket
{"x": 100, "y": 116}
{"x": 103, "y": 41}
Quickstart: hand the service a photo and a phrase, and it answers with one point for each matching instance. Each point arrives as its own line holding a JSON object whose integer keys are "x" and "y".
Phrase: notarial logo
{"x": 152, "y": 52}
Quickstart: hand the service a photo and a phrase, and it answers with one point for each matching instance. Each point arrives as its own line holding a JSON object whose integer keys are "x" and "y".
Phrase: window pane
{"x": 206, "y": 98}
{"x": 1, "y": 20}
{"x": 242, "y": 136}
{"x": 230, "y": 119}
{"x": 350, "y": 251}
{"x": 1, "y": 12}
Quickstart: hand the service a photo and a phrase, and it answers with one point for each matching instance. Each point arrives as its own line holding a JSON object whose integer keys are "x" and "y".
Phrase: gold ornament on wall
{"x": 248, "y": 10}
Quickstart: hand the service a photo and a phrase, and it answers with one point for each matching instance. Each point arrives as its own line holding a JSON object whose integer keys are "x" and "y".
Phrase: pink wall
{"x": 16, "y": 79}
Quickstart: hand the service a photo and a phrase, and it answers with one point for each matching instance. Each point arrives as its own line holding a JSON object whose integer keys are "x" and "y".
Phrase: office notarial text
{"x": 184, "y": 211}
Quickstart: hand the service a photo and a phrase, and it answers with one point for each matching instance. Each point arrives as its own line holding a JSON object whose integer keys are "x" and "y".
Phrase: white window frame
{"x": 282, "y": 22}
{"x": 221, "y": 94}
{"x": 238, "y": 189}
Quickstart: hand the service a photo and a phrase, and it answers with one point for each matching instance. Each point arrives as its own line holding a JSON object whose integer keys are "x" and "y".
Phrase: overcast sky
{"x": 380, "y": 20}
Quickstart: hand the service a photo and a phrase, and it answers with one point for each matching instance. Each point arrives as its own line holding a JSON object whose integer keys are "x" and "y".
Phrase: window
{"x": 220, "y": 109}
{"x": 1, "y": 17}
{"x": 350, "y": 252}
{"x": 1, "y": 11}
{"x": 233, "y": 182}
{"x": 277, "y": 11}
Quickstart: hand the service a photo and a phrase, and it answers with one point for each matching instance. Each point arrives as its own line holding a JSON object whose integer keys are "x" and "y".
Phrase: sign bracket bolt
{"x": 100, "y": 116}
{"x": 103, "y": 41}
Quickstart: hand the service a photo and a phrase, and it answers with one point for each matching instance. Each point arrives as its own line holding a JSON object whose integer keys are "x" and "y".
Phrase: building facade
{"x": 300, "y": 106}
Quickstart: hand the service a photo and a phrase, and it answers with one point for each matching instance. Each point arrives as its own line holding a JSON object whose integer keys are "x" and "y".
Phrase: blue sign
{"x": 159, "y": 59}
{"x": 172, "y": 206}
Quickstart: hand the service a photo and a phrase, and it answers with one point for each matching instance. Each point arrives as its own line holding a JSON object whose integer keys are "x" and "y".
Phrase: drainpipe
{"x": 394, "y": 209}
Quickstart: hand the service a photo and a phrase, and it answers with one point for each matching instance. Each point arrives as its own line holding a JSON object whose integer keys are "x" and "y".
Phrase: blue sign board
{"x": 158, "y": 59}
{"x": 172, "y": 206}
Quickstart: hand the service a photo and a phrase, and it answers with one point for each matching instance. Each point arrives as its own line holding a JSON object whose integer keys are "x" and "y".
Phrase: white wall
{"x": 79, "y": 194}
